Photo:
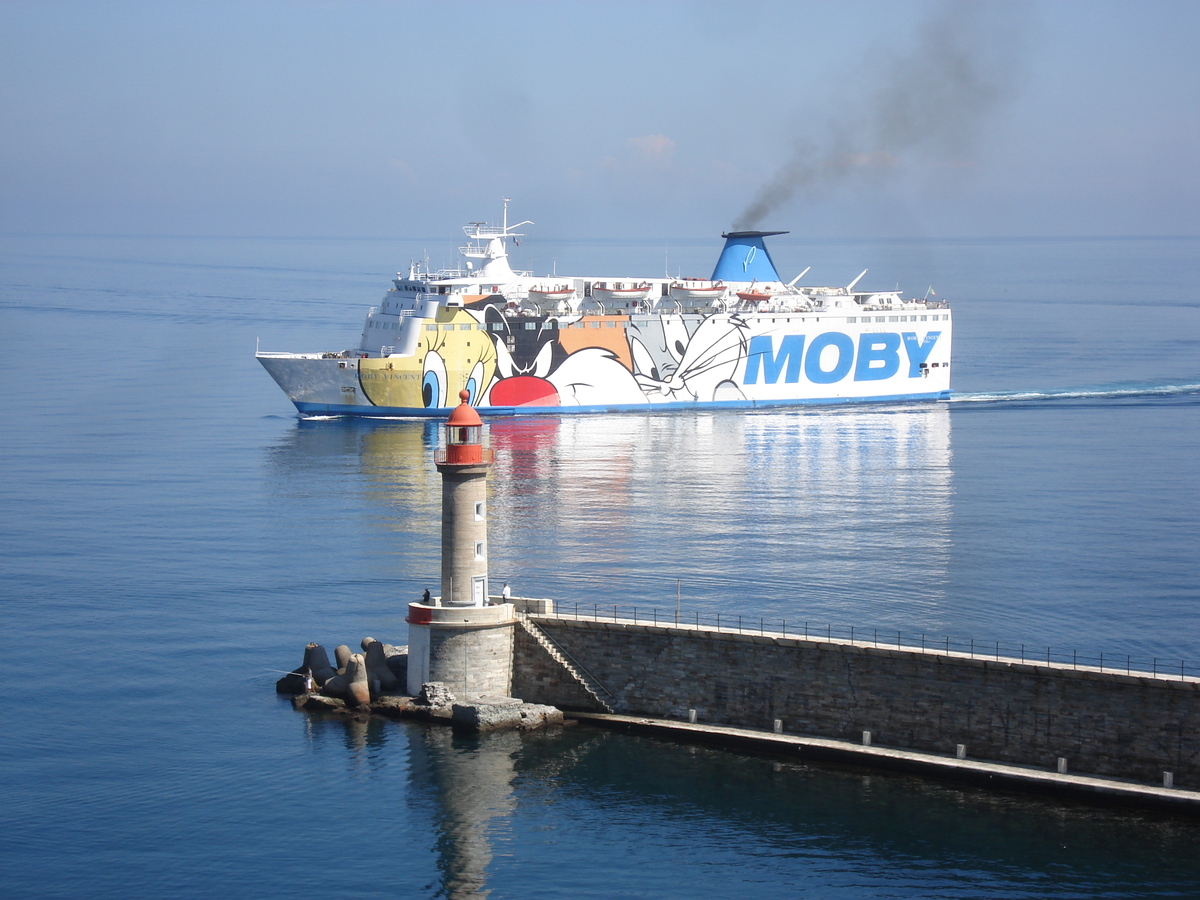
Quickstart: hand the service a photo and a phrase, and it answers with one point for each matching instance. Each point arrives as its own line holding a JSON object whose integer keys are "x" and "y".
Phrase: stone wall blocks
{"x": 1107, "y": 723}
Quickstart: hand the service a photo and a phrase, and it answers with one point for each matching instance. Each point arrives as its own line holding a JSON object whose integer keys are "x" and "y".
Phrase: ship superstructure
{"x": 519, "y": 344}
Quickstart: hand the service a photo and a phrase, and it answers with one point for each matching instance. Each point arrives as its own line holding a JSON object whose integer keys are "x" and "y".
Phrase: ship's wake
{"x": 1097, "y": 392}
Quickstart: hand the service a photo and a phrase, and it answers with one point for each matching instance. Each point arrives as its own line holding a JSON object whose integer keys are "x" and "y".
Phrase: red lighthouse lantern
{"x": 464, "y": 434}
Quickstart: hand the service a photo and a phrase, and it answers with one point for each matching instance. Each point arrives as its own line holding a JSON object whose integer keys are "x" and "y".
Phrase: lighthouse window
{"x": 479, "y": 504}
{"x": 479, "y": 550}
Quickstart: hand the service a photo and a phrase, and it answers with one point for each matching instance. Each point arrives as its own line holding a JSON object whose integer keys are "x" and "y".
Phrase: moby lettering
{"x": 832, "y": 355}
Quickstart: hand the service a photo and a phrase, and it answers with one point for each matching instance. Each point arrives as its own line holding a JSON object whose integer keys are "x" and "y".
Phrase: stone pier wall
{"x": 1108, "y": 724}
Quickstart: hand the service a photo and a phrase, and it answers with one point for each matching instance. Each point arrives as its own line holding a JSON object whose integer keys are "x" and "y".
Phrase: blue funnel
{"x": 745, "y": 258}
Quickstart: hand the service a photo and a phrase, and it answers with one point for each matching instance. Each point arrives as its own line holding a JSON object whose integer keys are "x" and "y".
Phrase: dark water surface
{"x": 170, "y": 533}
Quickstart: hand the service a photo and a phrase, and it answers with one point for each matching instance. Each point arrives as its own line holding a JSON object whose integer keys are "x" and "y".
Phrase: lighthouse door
{"x": 479, "y": 590}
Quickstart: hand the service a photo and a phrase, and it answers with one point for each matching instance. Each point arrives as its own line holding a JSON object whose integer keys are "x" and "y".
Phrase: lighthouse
{"x": 464, "y": 468}
{"x": 461, "y": 640}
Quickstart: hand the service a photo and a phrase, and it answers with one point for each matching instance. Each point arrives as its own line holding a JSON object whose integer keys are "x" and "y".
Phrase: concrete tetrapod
{"x": 351, "y": 686}
{"x": 377, "y": 665}
{"x": 342, "y": 654}
{"x": 317, "y": 660}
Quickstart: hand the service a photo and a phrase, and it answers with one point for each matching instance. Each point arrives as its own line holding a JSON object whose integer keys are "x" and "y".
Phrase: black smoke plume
{"x": 931, "y": 101}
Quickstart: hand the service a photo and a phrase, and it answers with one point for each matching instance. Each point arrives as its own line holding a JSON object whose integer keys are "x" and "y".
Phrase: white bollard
{"x": 691, "y": 717}
{"x": 961, "y": 751}
{"x": 1169, "y": 779}
{"x": 866, "y": 739}
{"x": 1062, "y": 765}
{"x": 779, "y": 726}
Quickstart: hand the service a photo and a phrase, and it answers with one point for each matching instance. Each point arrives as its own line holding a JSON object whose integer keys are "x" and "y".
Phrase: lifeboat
{"x": 693, "y": 289}
{"x": 620, "y": 294}
{"x": 753, "y": 297}
{"x": 541, "y": 294}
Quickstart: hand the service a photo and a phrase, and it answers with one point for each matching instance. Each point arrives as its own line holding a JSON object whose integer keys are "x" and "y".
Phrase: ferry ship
{"x": 521, "y": 344}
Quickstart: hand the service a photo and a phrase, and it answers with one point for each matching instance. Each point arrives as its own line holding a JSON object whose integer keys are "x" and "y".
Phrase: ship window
{"x": 531, "y": 326}
{"x": 851, "y": 319}
{"x": 594, "y": 324}
{"x": 891, "y": 318}
{"x": 611, "y": 324}
{"x": 479, "y": 550}
{"x": 431, "y": 328}
{"x": 904, "y": 318}
{"x": 924, "y": 318}
{"x": 465, "y": 326}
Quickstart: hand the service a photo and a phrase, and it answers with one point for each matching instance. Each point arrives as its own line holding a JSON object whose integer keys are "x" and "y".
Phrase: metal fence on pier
{"x": 1030, "y": 654}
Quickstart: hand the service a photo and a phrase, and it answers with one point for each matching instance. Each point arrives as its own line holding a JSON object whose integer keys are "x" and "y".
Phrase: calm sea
{"x": 171, "y": 533}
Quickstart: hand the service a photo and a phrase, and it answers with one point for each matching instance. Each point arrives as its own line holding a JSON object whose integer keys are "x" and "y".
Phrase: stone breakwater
{"x": 1006, "y": 721}
{"x": 370, "y": 683}
{"x": 1057, "y": 718}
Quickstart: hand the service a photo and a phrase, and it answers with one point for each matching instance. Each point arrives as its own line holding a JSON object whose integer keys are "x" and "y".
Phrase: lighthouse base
{"x": 469, "y": 649}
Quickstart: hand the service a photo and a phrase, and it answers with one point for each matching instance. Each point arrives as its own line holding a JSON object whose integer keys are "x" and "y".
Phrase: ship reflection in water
{"x": 833, "y": 513}
{"x": 826, "y": 514}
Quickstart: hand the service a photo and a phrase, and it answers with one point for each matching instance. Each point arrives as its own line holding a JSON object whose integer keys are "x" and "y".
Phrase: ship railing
{"x": 484, "y": 232}
{"x": 1060, "y": 656}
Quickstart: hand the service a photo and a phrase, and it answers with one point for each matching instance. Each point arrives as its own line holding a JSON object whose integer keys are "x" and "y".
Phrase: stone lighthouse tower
{"x": 461, "y": 640}
{"x": 464, "y": 509}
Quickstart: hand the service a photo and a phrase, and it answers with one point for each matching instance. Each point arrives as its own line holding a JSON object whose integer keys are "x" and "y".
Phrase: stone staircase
{"x": 590, "y": 685}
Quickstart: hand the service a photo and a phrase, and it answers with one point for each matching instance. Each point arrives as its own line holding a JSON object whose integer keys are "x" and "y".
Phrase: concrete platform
{"x": 1105, "y": 791}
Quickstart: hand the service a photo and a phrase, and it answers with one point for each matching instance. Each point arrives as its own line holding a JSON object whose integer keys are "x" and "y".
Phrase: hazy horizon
{"x": 906, "y": 120}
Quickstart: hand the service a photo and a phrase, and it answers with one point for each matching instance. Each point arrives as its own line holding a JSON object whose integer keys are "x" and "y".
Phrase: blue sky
{"x": 640, "y": 120}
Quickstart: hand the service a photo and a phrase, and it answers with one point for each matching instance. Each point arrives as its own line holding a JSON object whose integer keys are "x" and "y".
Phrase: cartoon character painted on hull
{"x": 454, "y": 353}
{"x": 595, "y": 361}
{"x": 619, "y": 361}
